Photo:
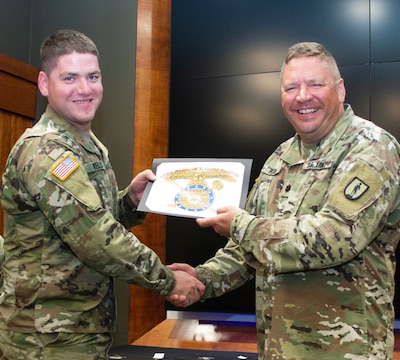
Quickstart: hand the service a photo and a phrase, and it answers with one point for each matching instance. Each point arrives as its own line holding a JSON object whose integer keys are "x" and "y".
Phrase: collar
{"x": 293, "y": 154}
{"x": 56, "y": 123}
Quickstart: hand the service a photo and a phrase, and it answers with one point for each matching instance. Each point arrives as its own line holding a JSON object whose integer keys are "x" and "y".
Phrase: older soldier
{"x": 66, "y": 224}
{"x": 320, "y": 228}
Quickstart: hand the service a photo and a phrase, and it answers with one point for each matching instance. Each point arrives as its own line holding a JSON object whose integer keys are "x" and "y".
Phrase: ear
{"x": 43, "y": 83}
{"x": 341, "y": 90}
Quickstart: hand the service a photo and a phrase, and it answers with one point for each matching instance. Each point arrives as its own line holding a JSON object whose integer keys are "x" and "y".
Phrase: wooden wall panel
{"x": 150, "y": 141}
{"x": 18, "y": 87}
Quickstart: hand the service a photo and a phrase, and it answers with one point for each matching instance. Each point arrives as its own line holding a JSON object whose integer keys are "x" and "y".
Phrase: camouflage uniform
{"x": 319, "y": 234}
{"x": 1, "y": 259}
{"x": 66, "y": 234}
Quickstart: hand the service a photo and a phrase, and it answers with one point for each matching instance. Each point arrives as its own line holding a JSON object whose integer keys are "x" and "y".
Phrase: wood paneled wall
{"x": 150, "y": 141}
{"x": 18, "y": 86}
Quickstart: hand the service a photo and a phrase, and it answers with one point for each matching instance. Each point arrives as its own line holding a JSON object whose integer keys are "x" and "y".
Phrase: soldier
{"x": 320, "y": 227}
{"x": 67, "y": 224}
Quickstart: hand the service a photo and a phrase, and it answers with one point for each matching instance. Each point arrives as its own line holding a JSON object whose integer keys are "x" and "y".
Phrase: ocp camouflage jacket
{"x": 319, "y": 233}
{"x": 67, "y": 234}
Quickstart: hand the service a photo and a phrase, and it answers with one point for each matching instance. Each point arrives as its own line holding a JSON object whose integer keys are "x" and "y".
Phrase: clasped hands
{"x": 186, "y": 274}
{"x": 188, "y": 288}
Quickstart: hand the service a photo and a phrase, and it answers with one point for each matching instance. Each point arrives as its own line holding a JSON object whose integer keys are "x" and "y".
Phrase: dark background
{"x": 225, "y": 96}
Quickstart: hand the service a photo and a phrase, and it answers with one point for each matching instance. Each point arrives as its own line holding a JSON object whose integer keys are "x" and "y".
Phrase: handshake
{"x": 188, "y": 288}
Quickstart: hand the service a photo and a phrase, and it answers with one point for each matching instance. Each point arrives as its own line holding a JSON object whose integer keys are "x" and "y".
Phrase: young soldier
{"x": 67, "y": 225}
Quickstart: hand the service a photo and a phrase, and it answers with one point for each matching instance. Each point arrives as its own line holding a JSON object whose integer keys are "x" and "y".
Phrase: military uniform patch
{"x": 65, "y": 167}
{"x": 355, "y": 189}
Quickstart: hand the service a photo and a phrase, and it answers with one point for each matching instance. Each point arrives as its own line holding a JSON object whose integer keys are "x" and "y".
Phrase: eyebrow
{"x": 71, "y": 73}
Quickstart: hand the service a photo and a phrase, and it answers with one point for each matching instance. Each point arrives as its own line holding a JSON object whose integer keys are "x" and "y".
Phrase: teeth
{"x": 307, "y": 111}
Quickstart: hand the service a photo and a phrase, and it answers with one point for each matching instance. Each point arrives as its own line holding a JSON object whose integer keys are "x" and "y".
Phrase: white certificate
{"x": 196, "y": 187}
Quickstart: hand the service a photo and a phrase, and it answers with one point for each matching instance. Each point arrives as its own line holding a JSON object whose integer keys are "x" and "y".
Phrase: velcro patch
{"x": 317, "y": 165}
{"x": 357, "y": 189}
{"x": 65, "y": 167}
{"x": 94, "y": 166}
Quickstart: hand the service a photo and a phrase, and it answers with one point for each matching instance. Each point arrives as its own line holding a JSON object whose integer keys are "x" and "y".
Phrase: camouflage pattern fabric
{"x": 54, "y": 346}
{"x": 66, "y": 234}
{"x": 1, "y": 259}
{"x": 319, "y": 233}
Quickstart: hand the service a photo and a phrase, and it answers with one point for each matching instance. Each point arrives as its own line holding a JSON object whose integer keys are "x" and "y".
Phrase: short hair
{"x": 304, "y": 49}
{"x": 63, "y": 42}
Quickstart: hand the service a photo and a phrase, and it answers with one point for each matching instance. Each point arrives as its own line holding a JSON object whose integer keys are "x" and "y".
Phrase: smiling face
{"x": 312, "y": 97}
{"x": 73, "y": 88}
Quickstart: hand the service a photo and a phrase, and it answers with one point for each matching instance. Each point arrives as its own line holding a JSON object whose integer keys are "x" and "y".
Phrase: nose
{"x": 83, "y": 87}
{"x": 303, "y": 94}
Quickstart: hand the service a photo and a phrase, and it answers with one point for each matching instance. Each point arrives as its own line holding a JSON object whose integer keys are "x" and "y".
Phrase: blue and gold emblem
{"x": 194, "y": 198}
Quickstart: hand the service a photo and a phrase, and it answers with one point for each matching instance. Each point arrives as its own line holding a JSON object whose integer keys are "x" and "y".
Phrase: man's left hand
{"x": 138, "y": 184}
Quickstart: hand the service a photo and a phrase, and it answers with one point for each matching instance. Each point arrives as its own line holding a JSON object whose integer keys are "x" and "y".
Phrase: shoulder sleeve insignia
{"x": 65, "y": 167}
{"x": 355, "y": 189}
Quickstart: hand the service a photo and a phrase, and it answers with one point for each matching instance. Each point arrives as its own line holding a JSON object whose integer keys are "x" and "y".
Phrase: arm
{"x": 73, "y": 210}
{"x": 226, "y": 271}
{"x": 337, "y": 232}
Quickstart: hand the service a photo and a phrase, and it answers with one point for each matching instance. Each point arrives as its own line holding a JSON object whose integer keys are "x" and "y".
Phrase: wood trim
{"x": 18, "y": 68}
{"x": 18, "y": 88}
{"x": 150, "y": 141}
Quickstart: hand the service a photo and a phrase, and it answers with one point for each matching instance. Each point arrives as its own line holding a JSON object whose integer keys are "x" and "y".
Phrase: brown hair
{"x": 304, "y": 49}
{"x": 63, "y": 42}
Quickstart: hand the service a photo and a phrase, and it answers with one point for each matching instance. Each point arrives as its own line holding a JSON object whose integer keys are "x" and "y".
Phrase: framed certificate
{"x": 196, "y": 187}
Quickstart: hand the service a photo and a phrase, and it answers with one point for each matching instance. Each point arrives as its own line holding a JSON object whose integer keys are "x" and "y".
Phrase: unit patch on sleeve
{"x": 65, "y": 167}
{"x": 355, "y": 189}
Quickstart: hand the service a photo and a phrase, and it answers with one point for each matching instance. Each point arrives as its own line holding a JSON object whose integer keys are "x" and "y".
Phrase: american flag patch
{"x": 65, "y": 167}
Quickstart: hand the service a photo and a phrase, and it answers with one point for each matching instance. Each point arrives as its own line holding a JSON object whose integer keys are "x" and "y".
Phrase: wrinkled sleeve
{"x": 1, "y": 259}
{"x": 226, "y": 271}
{"x": 340, "y": 230}
{"x": 97, "y": 239}
{"x": 128, "y": 214}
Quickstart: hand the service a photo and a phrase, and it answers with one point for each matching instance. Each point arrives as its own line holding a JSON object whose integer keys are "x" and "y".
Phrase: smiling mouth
{"x": 82, "y": 101}
{"x": 307, "y": 111}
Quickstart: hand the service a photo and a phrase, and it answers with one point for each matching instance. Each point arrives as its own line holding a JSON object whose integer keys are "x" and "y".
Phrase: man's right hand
{"x": 188, "y": 288}
{"x": 183, "y": 267}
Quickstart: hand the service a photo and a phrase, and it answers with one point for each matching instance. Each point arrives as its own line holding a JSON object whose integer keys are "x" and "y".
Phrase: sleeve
{"x": 1, "y": 259}
{"x": 73, "y": 207}
{"x": 129, "y": 216}
{"x": 358, "y": 202}
{"x": 226, "y": 271}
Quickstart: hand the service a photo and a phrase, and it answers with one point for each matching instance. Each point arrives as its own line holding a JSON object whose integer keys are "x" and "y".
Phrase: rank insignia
{"x": 65, "y": 167}
{"x": 355, "y": 189}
